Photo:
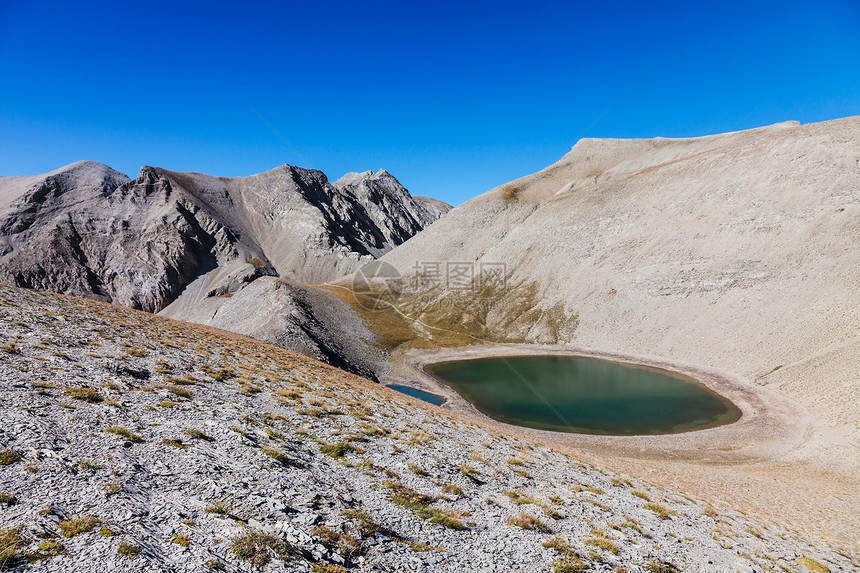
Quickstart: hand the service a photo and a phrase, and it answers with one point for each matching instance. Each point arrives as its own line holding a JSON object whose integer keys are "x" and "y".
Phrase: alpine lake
{"x": 585, "y": 395}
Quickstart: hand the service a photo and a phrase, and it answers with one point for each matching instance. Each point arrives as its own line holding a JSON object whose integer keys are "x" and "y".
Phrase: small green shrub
{"x": 661, "y": 567}
{"x": 180, "y": 391}
{"x": 418, "y": 470}
{"x": 126, "y": 549}
{"x": 9, "y": 457}
{"x": 812, "y": 565}
{"x": 8, "y": 499}
{"x": 518, "y": 498}
{"x": 85, "y": 394}
{"x": 124, "y": 433}
{"x": 569, "y": 564}
{"x": 186, "y": 381}
{"x": 74, "y": 527}
{"x": 46, "y": 550}
{"x": 198, "y": 435}
{"x": 221, "y": 375}
{"x": 173, "y": 443}
{"x": 10, "y": 542}
{"x": 256, "y": 548}
{"x": 337, "y": 450}
{"x": 603, "y": 543}
{"x": 51, "y": 548}
{"x": 345, "y": 545}
{"x": 408, "y": 498}
{"x": 365, "y": 524}
{"x": 551, "y": 512}
{"x": 452, "y": 489}
{"x": 662, "y": 511}
{"x": 275, "y": 454}
{"x": 327, "y": 568}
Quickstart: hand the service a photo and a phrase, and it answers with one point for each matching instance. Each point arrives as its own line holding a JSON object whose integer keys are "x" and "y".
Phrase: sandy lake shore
{"x": 778, "y": 461}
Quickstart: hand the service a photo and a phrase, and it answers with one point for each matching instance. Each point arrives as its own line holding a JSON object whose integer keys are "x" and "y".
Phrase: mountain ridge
{"x": 173, "y": 242}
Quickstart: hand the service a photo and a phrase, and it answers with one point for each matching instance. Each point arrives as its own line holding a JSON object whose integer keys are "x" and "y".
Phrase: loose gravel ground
{"x": 132, "y": 442}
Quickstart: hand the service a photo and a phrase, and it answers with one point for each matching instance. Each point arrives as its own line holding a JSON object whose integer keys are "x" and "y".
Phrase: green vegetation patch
{"x": 74, "y": 527}
{"x": 257, "y": 548}
{"x": 419, "y": 503}
{"x": 198, "y": 435}
{"x": 526, "y": 521}
{"x": 662, "y": 511}
{"x": 127, "y": 549}
{"x": 123, "y": 433}
{"x": 10, "y": 542}
{"x": 337, "y": 450}
{"x": 84, "y": 394}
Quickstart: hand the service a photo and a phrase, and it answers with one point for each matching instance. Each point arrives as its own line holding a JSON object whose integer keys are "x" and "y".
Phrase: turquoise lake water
{"x": 585, "y": 395}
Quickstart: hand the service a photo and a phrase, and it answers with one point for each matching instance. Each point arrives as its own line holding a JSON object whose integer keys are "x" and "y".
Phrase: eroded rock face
{"x": 189, "y": 241}
{"x": 88, "y": 230}
{"x": 391, "y": 209}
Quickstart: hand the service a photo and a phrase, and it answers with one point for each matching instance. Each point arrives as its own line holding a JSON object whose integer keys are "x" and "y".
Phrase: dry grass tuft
{"x": 526, "y": 521}
{"x": 74, "y": 527}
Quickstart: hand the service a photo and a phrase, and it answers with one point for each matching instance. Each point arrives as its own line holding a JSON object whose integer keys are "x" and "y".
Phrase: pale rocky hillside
{"x": 131, "y": 442}
{"x": 738, "y": 251}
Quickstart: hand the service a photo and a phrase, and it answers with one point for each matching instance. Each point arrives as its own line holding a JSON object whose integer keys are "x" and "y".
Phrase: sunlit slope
{"x": 739, "y": 251}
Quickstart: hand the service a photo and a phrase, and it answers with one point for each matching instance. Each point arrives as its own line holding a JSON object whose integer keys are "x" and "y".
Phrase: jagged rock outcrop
{"x": 86, "y": 229}
{"x": 183, "y": 239}
{"x": 396, "y": 213}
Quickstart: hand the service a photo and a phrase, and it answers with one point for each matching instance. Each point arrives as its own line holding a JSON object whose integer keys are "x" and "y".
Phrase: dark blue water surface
{"x": 434, "y": 399}
{"x": 585, "y": 395}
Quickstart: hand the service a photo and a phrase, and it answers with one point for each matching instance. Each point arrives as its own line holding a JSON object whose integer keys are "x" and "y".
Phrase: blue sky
{"x": 453, "y": 98}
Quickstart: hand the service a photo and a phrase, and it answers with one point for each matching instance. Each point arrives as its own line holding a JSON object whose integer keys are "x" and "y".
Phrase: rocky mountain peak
{"x": 175, "y": 240}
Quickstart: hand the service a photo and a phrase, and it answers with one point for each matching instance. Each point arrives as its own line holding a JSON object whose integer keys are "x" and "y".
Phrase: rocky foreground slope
{"x": 132, "y": 442}
{"x": 185, "y": 243}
